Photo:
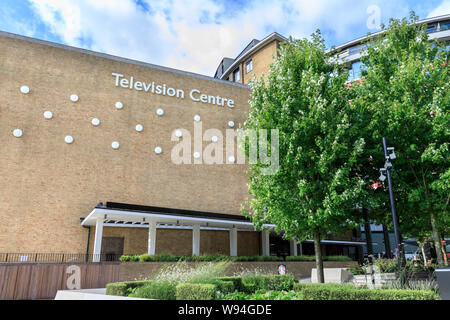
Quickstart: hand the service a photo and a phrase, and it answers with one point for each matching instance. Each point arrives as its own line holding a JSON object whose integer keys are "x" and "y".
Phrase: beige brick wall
{"x": 262, "y": 59}
{"x": 46, "y": 185}
{"x": 179, "y": 241}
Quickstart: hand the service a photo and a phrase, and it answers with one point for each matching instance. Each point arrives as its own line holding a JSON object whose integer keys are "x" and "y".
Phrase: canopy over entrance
{"x": 136, "y": 216}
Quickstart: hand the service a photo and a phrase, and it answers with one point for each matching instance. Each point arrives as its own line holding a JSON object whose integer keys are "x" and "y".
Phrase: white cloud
{"x": 442, "y": 9}
{"x": 195, "y": 35}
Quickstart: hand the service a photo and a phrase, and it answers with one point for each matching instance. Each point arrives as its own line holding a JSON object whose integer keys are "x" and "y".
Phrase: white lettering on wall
{"x": 163, "y": 89}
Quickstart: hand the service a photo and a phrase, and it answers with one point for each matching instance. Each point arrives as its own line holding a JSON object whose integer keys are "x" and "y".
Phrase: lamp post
{"x": 387, "y": 169}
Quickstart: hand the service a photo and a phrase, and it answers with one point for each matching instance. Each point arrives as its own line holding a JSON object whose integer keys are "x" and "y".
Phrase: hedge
{"x": 264, "y": 295}
{"x": 237, "y": 282}
{"x": 161, "y": 290}
{"x": 268, "y": 282}
{"x": 123, "y": 288}
{"x": 225, "y": 287}
{"x": 313, "y": 258}
{"x": 348, "y": 292}
{"x": 196, "y": 291}
{"x": 218, "y": 257}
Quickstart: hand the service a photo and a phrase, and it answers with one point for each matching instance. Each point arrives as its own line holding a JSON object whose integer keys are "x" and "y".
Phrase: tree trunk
{"x": 422, "y": 249}
{"x": 319, "y": 261}
{"x": 436, "y": 239}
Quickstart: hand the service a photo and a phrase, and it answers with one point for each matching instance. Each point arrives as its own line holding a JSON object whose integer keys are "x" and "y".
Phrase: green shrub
{"x": 265, "y": 295}
{"x": 237, "y": 282}
{"x": 337, "y": 258}
{"x": 268, "y": 282}
{"x": 162, "y": 290}
{"x": 236, "y": 295}
{"x": 386, "y": 265}
{"x": 147, "y": 258}
{"x": 301, "y": 258}
{"x": 349, "y": 292}
{"x": 196, "y": 291}
{"x": 167, "y": 257}
{"x": 313, "y": 258}
{"x": 224, "y": 287}
{"x": 300, "y": 286}
{"x": 123, "y": 288}
{"x": 357, "y": 270}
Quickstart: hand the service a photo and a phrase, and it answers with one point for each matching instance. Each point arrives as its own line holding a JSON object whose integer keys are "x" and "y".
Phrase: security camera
{"x": 392, "y": 154}
{"x": 382, "y": 176}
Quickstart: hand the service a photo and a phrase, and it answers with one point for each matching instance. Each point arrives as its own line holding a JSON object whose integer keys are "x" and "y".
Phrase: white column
{"x": 151, "y": 238}
{"x": 265, "y": 242}
{"x": 98, "y": 240}
{"x": 196, "y": 240}
{"x": 233, "y": 242}
{"x": 293, "y": 247}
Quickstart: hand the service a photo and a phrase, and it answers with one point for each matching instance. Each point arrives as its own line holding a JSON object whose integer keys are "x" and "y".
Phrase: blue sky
{"x": 195, "y": 35}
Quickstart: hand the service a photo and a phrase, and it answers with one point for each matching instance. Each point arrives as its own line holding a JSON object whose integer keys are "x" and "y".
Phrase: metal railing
{"x": 56, "y": 257}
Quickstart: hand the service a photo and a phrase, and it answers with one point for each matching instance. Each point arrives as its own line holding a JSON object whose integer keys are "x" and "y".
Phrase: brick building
{"x": 87, "y": 142}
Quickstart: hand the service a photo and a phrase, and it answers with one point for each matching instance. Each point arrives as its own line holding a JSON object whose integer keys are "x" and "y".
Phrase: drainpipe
{"x": 87, "y": 245}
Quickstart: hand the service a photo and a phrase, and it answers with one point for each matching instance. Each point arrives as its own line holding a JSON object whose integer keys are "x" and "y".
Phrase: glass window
{"x": 357, "y": 67}
{"x": 236, "y": 75}
{"x": 249, "y": 66}
{"x": 358, "y": 48}
{"x": 355, "y": 71}
{"x": 431, "y": 27}
{"x": 354, "y": 49}
{"x": 445, "y": 25}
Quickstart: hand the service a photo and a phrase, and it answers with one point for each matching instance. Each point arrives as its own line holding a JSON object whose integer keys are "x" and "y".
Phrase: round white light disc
{"x": 95, "y": 122}
{"x": 160, "y": 112}
{"x": 24, "y": 89}
{"x": 214, "y": 139}
{"x": 139, "y": 127}
{"x": 231, "y": 124}
{"x": 231, "y": 159}
{"x": 74, "y": 98}
{"x": 17, "y": 133}
{"x": 48, "y": 115}
{"x": 115, "y": 145}
{"x": 178, "y": 133}
{"x": 197, "y": 118}
{"x": 196, "y": 155}
{"x": 119, "y": 105}
{"x": 158, "y": 150}
{"x": 68, "y": 139}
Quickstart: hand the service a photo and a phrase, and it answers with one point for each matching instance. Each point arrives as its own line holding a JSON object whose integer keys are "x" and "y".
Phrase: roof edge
{"x": 262, "y": 43}
{"x": 117, "y": 58}
{"x": 370, "y": 35}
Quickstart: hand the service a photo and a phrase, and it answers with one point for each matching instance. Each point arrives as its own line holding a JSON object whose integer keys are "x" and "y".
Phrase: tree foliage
{"x": 405, "y": 97}
{"x": 317, "y": 184}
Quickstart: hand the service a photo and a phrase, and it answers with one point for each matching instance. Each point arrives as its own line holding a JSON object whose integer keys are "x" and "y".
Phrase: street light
{"x": 387, "y": 168}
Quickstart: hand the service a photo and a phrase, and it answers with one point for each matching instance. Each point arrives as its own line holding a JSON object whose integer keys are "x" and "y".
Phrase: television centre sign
{"x": 162, "y": 89}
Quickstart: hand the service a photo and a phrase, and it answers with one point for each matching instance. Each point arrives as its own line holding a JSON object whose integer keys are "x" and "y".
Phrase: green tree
{"x": 315, "y": 189}
{"x": 405, "y": 93}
